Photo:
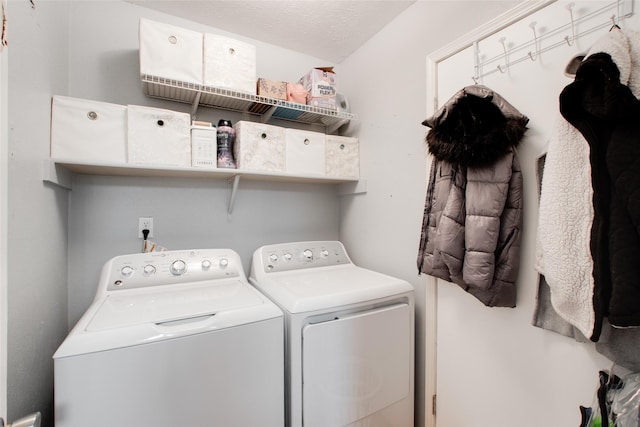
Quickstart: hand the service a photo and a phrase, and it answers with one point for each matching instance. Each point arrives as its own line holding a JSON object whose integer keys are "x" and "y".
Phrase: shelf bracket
{"x": 57, "y": 174}
{"x": 267, "y": 116}
{"x": 333, "y": 127}
{"x": 233, "y": 182}
{"x": 196, "y": 104}
{"x": 352, "y": 188}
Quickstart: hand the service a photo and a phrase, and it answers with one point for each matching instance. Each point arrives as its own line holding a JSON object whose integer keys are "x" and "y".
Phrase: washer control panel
{"x": 301, "y": 255}
{"x": 170, "y": 267}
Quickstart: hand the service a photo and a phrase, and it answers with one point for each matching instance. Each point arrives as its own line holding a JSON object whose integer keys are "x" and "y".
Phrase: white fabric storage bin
{"x": 343, "y": 157}
{"x": 305, "y": 152}
{"x": 88, "y": 131}
{"x": 229, "y": 64}
{"x": 158, "y": 137}
{"x": 259, "y": 146}
{"x": 171, "y": 52}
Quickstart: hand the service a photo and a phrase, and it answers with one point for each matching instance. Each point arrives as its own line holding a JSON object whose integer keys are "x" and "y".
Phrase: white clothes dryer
{"x": 175, "y": 338}
{"x": 349, "y": 336}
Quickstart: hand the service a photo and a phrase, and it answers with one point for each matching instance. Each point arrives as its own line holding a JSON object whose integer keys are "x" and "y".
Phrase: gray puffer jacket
{"x": 473, "y": 213}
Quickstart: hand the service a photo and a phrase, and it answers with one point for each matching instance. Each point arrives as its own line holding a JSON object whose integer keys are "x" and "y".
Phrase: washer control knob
{"x": 273, "y": 257}
{"x": 126, "y": 271}
{"x": 178, "y": 267}
{"x": 307, "y": 255}
{"x": 224, "y": 263}
{"x": 206, "y": 264}
{"x": 324, "y": 253}
{"x": 148, "y": 270}
{"x": 287, "y": 256}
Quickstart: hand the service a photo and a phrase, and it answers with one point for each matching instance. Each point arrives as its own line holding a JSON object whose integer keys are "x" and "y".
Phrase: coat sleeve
{"x": 486, "y": 196}
{"x": 449, "y": 237}
{"x": 508, "y": 249}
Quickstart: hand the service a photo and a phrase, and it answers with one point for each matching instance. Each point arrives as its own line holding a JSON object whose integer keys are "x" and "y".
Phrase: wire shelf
{"x": 226, "y": 99}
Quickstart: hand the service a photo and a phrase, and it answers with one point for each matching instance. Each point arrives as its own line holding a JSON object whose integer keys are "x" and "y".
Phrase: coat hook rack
{"x": 506, "y": 63}
{"x": 556, "y": 37}
{"x": 476, "y": 62}
{"x": 568, "y": 39}
{"x": 535, "y": 42}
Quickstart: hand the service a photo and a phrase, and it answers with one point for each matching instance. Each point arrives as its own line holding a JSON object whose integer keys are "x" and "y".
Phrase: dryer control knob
{"x": 206, "y": 264}
{"x": 178, "y": 267}
{"x": 307, "y": 255}
{"x": 126, "y": 271}
{"x": 224, "y": 263}
{"x": 148, "y": 270}
{"x": 324, "y": 253}
{"x": 287, "y": 256}
{"x": 273, "y": 257}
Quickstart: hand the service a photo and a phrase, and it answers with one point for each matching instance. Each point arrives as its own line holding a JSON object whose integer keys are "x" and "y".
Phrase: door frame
{"x": 518, "y": 12}
{"x": 4, "y": 196}
{"x": 4, "y": 151}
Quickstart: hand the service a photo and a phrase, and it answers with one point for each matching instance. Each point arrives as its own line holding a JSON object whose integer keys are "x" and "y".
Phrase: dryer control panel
{"x": 169, "y": 267}
{"x": 300, "y": 255}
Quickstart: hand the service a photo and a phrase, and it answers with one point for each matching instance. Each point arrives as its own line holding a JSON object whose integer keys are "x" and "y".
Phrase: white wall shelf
{"x": 226, "y": 99}
{"x": 60, "y": 171}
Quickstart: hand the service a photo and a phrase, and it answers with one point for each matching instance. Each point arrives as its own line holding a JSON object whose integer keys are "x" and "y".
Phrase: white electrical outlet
{"x": 145, "y": 223}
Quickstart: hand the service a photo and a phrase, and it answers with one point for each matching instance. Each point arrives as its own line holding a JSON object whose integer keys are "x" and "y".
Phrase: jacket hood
{"x": 474, "y": 128}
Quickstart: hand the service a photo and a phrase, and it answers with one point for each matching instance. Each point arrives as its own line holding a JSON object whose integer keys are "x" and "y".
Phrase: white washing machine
{"x": 349, "y": 336}
{"x": 176, "y": 338}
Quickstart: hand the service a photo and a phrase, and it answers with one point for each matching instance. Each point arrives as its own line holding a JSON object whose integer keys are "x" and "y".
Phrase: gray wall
{"x": 188, "y": 213}
{"x": 89, "y": 50}
{"x": 37, "y": 213}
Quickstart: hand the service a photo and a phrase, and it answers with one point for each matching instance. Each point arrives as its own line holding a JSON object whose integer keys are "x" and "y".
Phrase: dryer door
{"x": 354, "y": 366}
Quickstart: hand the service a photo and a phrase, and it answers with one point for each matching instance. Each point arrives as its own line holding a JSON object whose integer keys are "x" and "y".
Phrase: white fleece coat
{"x": 566, "y": 212}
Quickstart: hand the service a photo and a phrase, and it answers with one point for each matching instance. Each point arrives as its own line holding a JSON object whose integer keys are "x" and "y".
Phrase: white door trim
{"x": 513, "y": 15}
{"x": 3, "y": 230}
{"x": 4, "y": 196}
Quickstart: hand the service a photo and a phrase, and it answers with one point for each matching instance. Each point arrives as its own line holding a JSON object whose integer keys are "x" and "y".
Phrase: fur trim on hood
{"x": 474, "y": 128}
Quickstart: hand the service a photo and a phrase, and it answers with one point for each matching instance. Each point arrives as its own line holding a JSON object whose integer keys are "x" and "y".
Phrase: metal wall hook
{"x": 535, "y": 42}
{"x": 476, "y": 62}
{"x": 506, "y": 63}
{"x": 614, "y": 23}
{"x": 568, "y": 39}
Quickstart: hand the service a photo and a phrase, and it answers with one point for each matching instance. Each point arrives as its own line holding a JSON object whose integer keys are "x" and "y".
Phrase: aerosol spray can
{"x": 225, "y": 136}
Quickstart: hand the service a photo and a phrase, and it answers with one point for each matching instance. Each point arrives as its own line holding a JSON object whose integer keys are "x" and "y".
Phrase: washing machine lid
{"x": 123, "y": 319}
{"x": 312, "y": 289}
{"x": 166, "y": 305}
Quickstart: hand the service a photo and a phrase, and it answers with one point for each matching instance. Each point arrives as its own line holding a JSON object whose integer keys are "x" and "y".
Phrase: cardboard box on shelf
{"x": 321, "y": 85}
{"x": 272, "y": 88}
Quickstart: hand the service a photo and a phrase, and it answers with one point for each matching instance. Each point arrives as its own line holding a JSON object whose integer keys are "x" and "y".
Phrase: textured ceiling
{"x": 327, "y": 29}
